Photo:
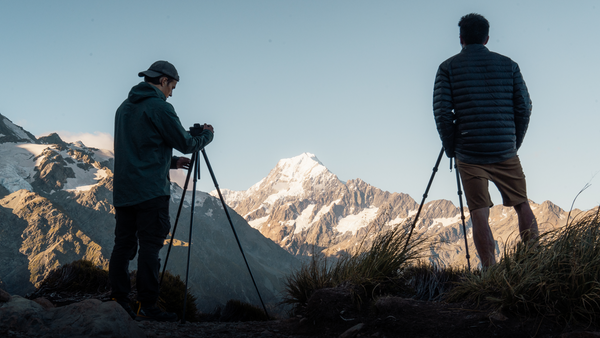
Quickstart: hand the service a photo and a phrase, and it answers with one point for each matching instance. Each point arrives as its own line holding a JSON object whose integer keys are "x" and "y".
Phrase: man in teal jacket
{"x": 147, "y": 130}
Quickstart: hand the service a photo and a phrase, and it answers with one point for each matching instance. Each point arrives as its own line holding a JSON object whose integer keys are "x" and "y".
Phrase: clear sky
{"x": 349, "y": 81}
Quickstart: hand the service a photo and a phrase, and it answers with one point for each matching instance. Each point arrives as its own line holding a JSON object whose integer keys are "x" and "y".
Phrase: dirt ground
{"x": 389, "y": 317}
{"x": 335, "y": 312}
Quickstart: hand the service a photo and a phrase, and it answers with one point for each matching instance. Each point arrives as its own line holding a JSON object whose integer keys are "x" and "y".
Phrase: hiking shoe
{"x": 125, "y": 305}
{"x": 153, "y": 313}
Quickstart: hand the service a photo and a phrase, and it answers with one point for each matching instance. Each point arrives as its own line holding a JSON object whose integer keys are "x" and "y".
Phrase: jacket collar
{"x": 474, "y": 47}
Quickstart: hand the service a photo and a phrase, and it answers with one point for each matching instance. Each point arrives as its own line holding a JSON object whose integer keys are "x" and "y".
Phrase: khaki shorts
{"x": 508, "y": 177}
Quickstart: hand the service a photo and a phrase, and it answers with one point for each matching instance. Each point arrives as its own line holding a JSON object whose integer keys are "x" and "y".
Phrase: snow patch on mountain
{"x": 257, "y": 223}
{"x": 84, "y": 176}
{"x": 19, "y": 162}
{"x": 102, "y": 155}
{"x": 303, "y": 221}
{"x": 399, "y": 220}
{"x": 353, "y": 223}
{"x": 232, "y": 197}
{"x": 10, "y": 178}
{"x": 445, "y": 221}
{"x": 324, "y": 210}
{"x": 35, "y": 149}
{"x": 17, "y": 166}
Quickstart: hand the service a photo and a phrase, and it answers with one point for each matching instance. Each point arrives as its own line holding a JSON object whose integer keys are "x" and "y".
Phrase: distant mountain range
{"x": 305, "y": 208}
{"x": 56, "y": 207}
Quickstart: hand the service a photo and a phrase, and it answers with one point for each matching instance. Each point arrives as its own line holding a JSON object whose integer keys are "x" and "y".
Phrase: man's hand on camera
{"x": 183, "y": 163}
{"x": 209, "y": 127}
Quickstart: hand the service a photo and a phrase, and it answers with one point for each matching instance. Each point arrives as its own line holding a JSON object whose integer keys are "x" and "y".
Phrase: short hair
{"x": 156, "y": 80}
{"x": 474, "y": 28}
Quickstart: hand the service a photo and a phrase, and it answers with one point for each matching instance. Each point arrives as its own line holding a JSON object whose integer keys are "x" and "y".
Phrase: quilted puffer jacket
{"x": 481, "y": 106}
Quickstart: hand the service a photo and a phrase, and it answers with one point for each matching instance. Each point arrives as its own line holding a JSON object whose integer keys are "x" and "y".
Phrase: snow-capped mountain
{"x": 301, "y": 204}
{"x": 56, "y": 207}
{"x": 305, "y": 208}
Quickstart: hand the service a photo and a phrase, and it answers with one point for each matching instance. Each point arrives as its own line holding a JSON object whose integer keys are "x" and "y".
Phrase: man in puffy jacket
{"x": 482, "y": 108}
{"x": 146, "y": 131}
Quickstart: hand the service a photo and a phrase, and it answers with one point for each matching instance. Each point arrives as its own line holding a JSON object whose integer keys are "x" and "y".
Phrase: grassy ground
{"x": 556, "y": 277}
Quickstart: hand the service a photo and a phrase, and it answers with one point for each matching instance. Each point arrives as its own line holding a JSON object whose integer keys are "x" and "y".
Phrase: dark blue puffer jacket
{"x": 481, "y": 106}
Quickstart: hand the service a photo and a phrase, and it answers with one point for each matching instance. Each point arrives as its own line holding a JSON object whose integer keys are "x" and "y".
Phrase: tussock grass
{"x": 432, "y": 282}
{"x": 81, "y": 276}
{"x": 557, "y": 276}
{"x": 373, "y": 268}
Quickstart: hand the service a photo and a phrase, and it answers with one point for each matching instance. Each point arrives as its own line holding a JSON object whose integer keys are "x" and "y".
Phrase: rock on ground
{"x": 89, "y": 318}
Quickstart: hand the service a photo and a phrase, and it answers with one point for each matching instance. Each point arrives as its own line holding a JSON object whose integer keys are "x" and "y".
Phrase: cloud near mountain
{"x": 96, "y": 139}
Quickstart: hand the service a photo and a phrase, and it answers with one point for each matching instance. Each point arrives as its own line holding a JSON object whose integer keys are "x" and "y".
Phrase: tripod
{"x": 462, "y": 213}
{"x": 195, "y": 167}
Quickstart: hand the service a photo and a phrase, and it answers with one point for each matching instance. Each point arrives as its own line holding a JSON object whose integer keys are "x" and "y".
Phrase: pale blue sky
{"x": 349, "y": 81}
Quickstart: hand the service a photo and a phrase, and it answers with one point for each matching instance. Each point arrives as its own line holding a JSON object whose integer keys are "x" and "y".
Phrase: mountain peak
{"x": 52, "y": 138}
{"x": 299, "y": 167}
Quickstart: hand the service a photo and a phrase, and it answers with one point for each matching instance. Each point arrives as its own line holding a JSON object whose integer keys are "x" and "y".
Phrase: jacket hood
{"x": 144, "y": 91}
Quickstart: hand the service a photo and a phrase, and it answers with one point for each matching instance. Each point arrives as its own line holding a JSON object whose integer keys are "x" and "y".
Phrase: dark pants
{"x": 146, "y": 224}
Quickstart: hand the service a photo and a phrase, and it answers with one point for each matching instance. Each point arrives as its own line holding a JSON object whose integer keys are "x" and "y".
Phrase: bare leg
{"x": 482, "y": 236}
{"x": 528, "y": 227}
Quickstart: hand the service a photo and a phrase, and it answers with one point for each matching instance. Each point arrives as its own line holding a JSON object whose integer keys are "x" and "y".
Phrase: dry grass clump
{"x": 558, "y": 276}
{"x": 371, "y": 269}
{"x": 80, "y": 276}
{"x": 432, "y": 282}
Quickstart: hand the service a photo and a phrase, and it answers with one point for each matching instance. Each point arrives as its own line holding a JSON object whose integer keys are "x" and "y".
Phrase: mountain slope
{"x": 56, "y": 207}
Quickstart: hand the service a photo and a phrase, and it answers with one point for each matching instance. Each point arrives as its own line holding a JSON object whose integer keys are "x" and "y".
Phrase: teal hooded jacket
{"x": 147, "y": 130}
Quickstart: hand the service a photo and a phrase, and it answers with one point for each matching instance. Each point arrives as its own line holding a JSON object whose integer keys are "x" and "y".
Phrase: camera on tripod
{"x": 197, "y": 129}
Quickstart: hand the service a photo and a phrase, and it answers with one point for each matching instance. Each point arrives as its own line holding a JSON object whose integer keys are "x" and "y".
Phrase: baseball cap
{"x": 160, "y": 68}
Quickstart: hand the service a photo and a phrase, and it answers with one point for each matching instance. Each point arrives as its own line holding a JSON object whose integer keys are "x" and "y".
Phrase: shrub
{"x": 80, "y": 276}
{"x": 171, "y": 297}
{"x": 82, "y": 279}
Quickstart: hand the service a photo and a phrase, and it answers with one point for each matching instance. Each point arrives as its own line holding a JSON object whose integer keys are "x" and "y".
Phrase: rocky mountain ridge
{"x": 306, "y": 209}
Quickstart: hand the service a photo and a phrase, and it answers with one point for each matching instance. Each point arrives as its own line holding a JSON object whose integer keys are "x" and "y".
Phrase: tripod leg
{"x": 196, "y": 166}
{"x": 435, "y": 169}
{"x": 212, "y": 174}
{"x": 187, "y": 179}
{"x": 462, "y": 214}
